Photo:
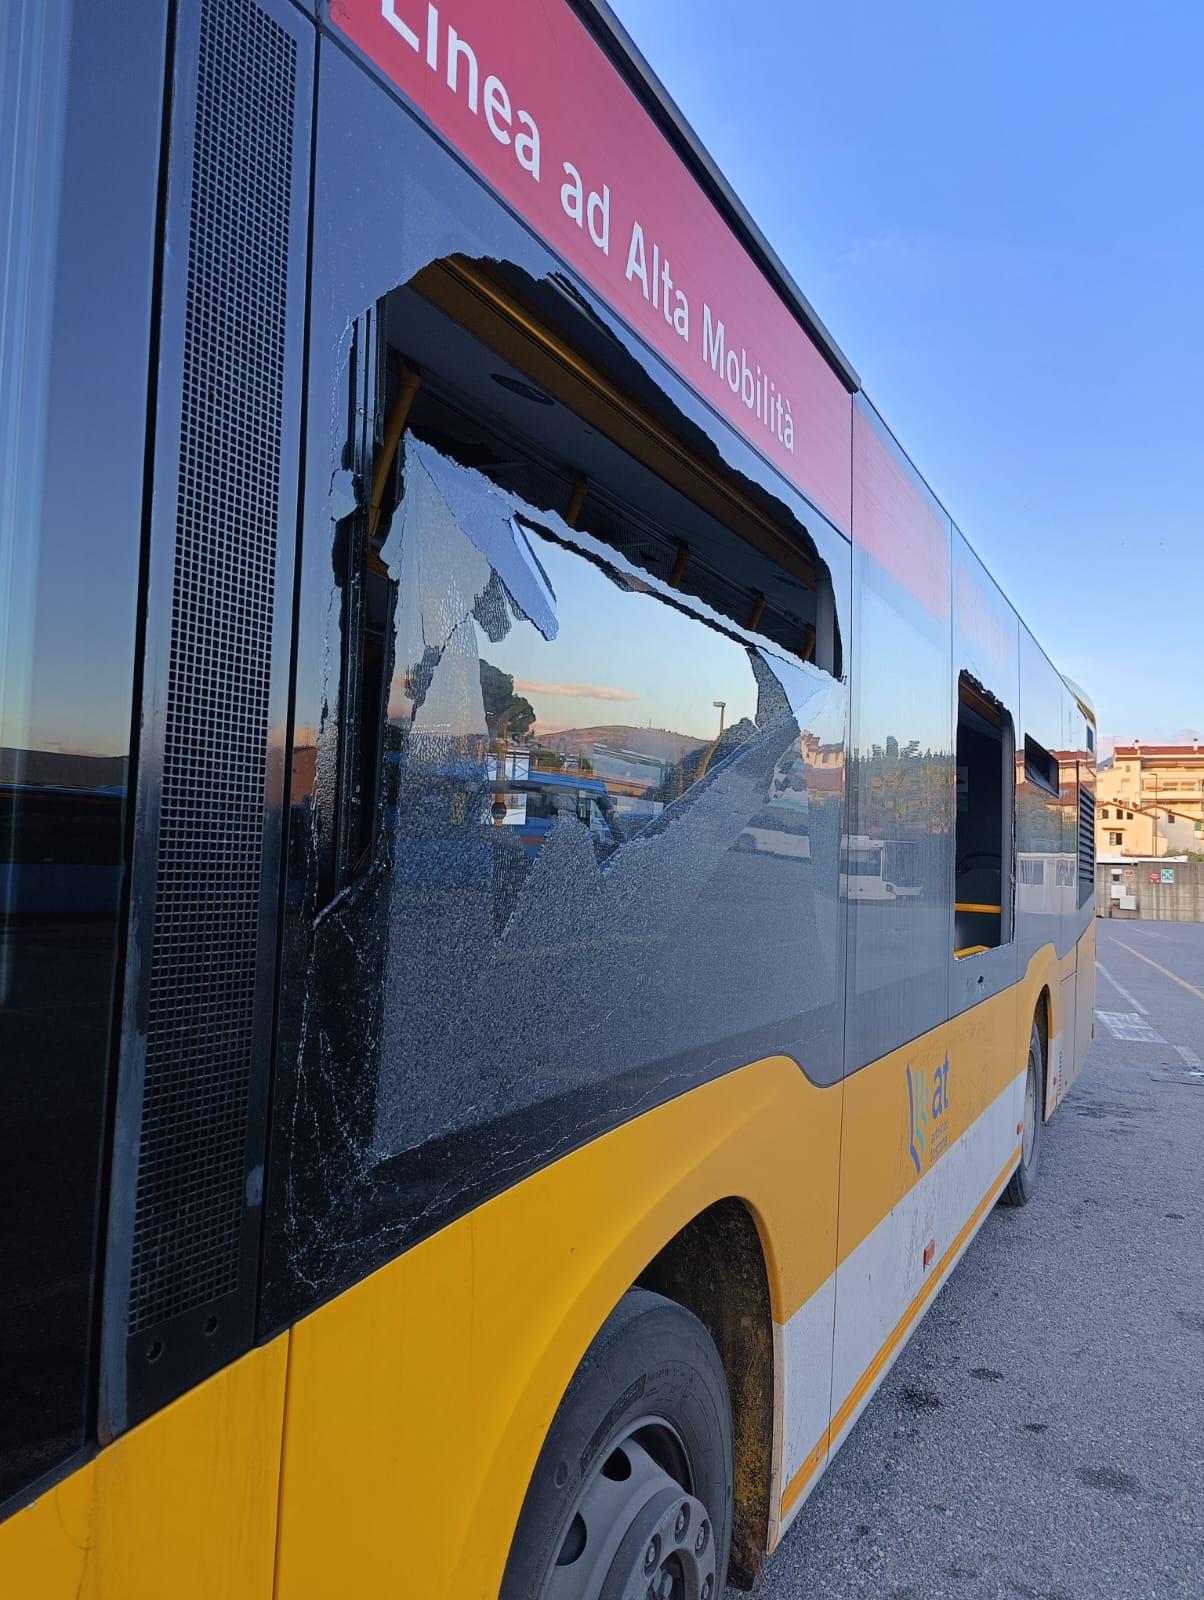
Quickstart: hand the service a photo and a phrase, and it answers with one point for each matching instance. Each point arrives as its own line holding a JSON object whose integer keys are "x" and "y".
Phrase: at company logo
{"x": 928, "y": 1113}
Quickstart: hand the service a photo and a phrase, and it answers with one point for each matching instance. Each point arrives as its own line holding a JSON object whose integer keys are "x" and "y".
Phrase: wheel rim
{"x": 635, "y": 1531}
{"x": 1030, "y": 1113}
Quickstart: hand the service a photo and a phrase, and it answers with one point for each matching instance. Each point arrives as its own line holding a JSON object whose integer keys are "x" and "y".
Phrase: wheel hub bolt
{"x": 652, "y": 1554}
{"x": 682, "y": 1523}
{"x": 706, "y": 1590}
{"x": 700, "y": 1543}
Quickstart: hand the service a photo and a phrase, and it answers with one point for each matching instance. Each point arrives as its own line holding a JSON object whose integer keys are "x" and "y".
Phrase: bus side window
{"x": 982, "y": 888}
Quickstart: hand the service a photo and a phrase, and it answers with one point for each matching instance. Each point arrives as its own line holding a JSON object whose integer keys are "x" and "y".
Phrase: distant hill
{"x": 61, "y": 769}
{"x": 660, "y": 743}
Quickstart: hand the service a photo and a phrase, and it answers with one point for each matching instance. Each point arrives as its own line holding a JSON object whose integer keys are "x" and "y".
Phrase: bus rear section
{"x": 546, "y": 889}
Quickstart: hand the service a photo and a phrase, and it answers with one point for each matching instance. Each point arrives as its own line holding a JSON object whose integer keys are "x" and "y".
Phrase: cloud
{"x": 575, "y": 691}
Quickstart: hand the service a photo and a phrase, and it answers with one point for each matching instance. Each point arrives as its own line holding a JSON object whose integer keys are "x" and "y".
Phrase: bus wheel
{"x": 1024, "y": 1180}
{"x": 632, "y": 1493}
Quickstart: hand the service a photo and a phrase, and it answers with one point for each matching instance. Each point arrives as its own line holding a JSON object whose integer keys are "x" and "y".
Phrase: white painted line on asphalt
{"x": 1165, "y": 971}
{"x": 1189, "y": 1055}
{"x": 1128, "y": 1025}
{"x": 1124, "y": 993}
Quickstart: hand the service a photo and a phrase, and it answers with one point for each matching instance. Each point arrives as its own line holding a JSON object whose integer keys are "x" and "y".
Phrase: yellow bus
{"x": 546, "y": 890}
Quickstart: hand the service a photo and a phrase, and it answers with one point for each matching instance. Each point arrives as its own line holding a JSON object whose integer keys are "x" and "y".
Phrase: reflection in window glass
{"x": 897, "y": 861}
{"x": 79, "y": 213}
{"x": 607, "y": 728}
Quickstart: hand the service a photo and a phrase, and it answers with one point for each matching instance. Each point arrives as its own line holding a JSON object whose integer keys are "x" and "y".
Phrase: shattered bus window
{"x": 596, "y": 825}
{"x": 608, "y": 756}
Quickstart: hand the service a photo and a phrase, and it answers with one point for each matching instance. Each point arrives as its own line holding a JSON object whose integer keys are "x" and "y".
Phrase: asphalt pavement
{"x": 1042, "y": 1435}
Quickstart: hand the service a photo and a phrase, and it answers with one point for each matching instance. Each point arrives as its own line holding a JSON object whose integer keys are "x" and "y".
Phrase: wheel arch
{"x": 716, "y": 1267}
{"x": 1042, "y": 1016}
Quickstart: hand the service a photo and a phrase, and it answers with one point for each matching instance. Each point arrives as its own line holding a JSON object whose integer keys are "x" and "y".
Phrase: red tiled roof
{"x": 1179, "y": 750}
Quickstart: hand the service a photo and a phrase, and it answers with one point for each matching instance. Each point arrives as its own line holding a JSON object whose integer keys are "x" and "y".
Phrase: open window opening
{"x": 518, "y": 381}
{"x": 1041, "y": 768}
{"x": 983, "y": 835}
{"x": 521, "y": 381}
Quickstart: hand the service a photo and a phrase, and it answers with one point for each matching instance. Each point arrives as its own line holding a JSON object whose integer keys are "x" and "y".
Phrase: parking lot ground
{"x": 1042, "y": 1435}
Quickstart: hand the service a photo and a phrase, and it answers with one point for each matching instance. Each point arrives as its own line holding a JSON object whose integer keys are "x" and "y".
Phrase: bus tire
{"x": 629, "y": 1492}
{"x": 1023, "y": 1184}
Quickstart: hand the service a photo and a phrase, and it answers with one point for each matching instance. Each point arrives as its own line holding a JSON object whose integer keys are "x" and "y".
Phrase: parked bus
{"x": 396, "y": 1202}
{"x": 880, "y": 869}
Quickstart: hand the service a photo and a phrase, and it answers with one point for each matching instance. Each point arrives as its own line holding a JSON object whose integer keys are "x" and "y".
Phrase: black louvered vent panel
{"x": 1086, "y": 841}
{"x": 191, "y": 1167}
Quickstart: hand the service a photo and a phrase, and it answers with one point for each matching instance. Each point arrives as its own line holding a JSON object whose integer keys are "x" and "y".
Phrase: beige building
{"x": 1150, "y": 800}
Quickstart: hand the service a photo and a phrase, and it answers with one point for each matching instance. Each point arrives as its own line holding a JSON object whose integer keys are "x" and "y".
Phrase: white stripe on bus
{"x": 851, "y": 1318}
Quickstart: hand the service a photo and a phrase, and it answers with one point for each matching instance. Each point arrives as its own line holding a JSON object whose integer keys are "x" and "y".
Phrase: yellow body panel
{"x": 984, "y": 1045}
{"x": 408, "y": 1455}
{"x": 425, "y": 1440}
{"x": 417, "y": 1401}
{"x": 183, "y": 1507}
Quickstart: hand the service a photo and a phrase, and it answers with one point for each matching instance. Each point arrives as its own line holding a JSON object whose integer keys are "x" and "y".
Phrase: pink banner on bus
{"x": 533, "y": 104}
{"x": 895, "y": 515}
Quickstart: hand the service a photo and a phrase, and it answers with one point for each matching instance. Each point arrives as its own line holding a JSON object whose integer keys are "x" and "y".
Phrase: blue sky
{"x": 999, "y": 213}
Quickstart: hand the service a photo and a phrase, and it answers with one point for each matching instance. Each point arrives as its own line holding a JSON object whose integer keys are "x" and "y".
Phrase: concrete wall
{"x": 1180, "y": 901}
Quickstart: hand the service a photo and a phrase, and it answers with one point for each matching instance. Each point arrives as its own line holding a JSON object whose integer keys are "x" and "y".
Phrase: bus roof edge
{"x": 622, "y": 49}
